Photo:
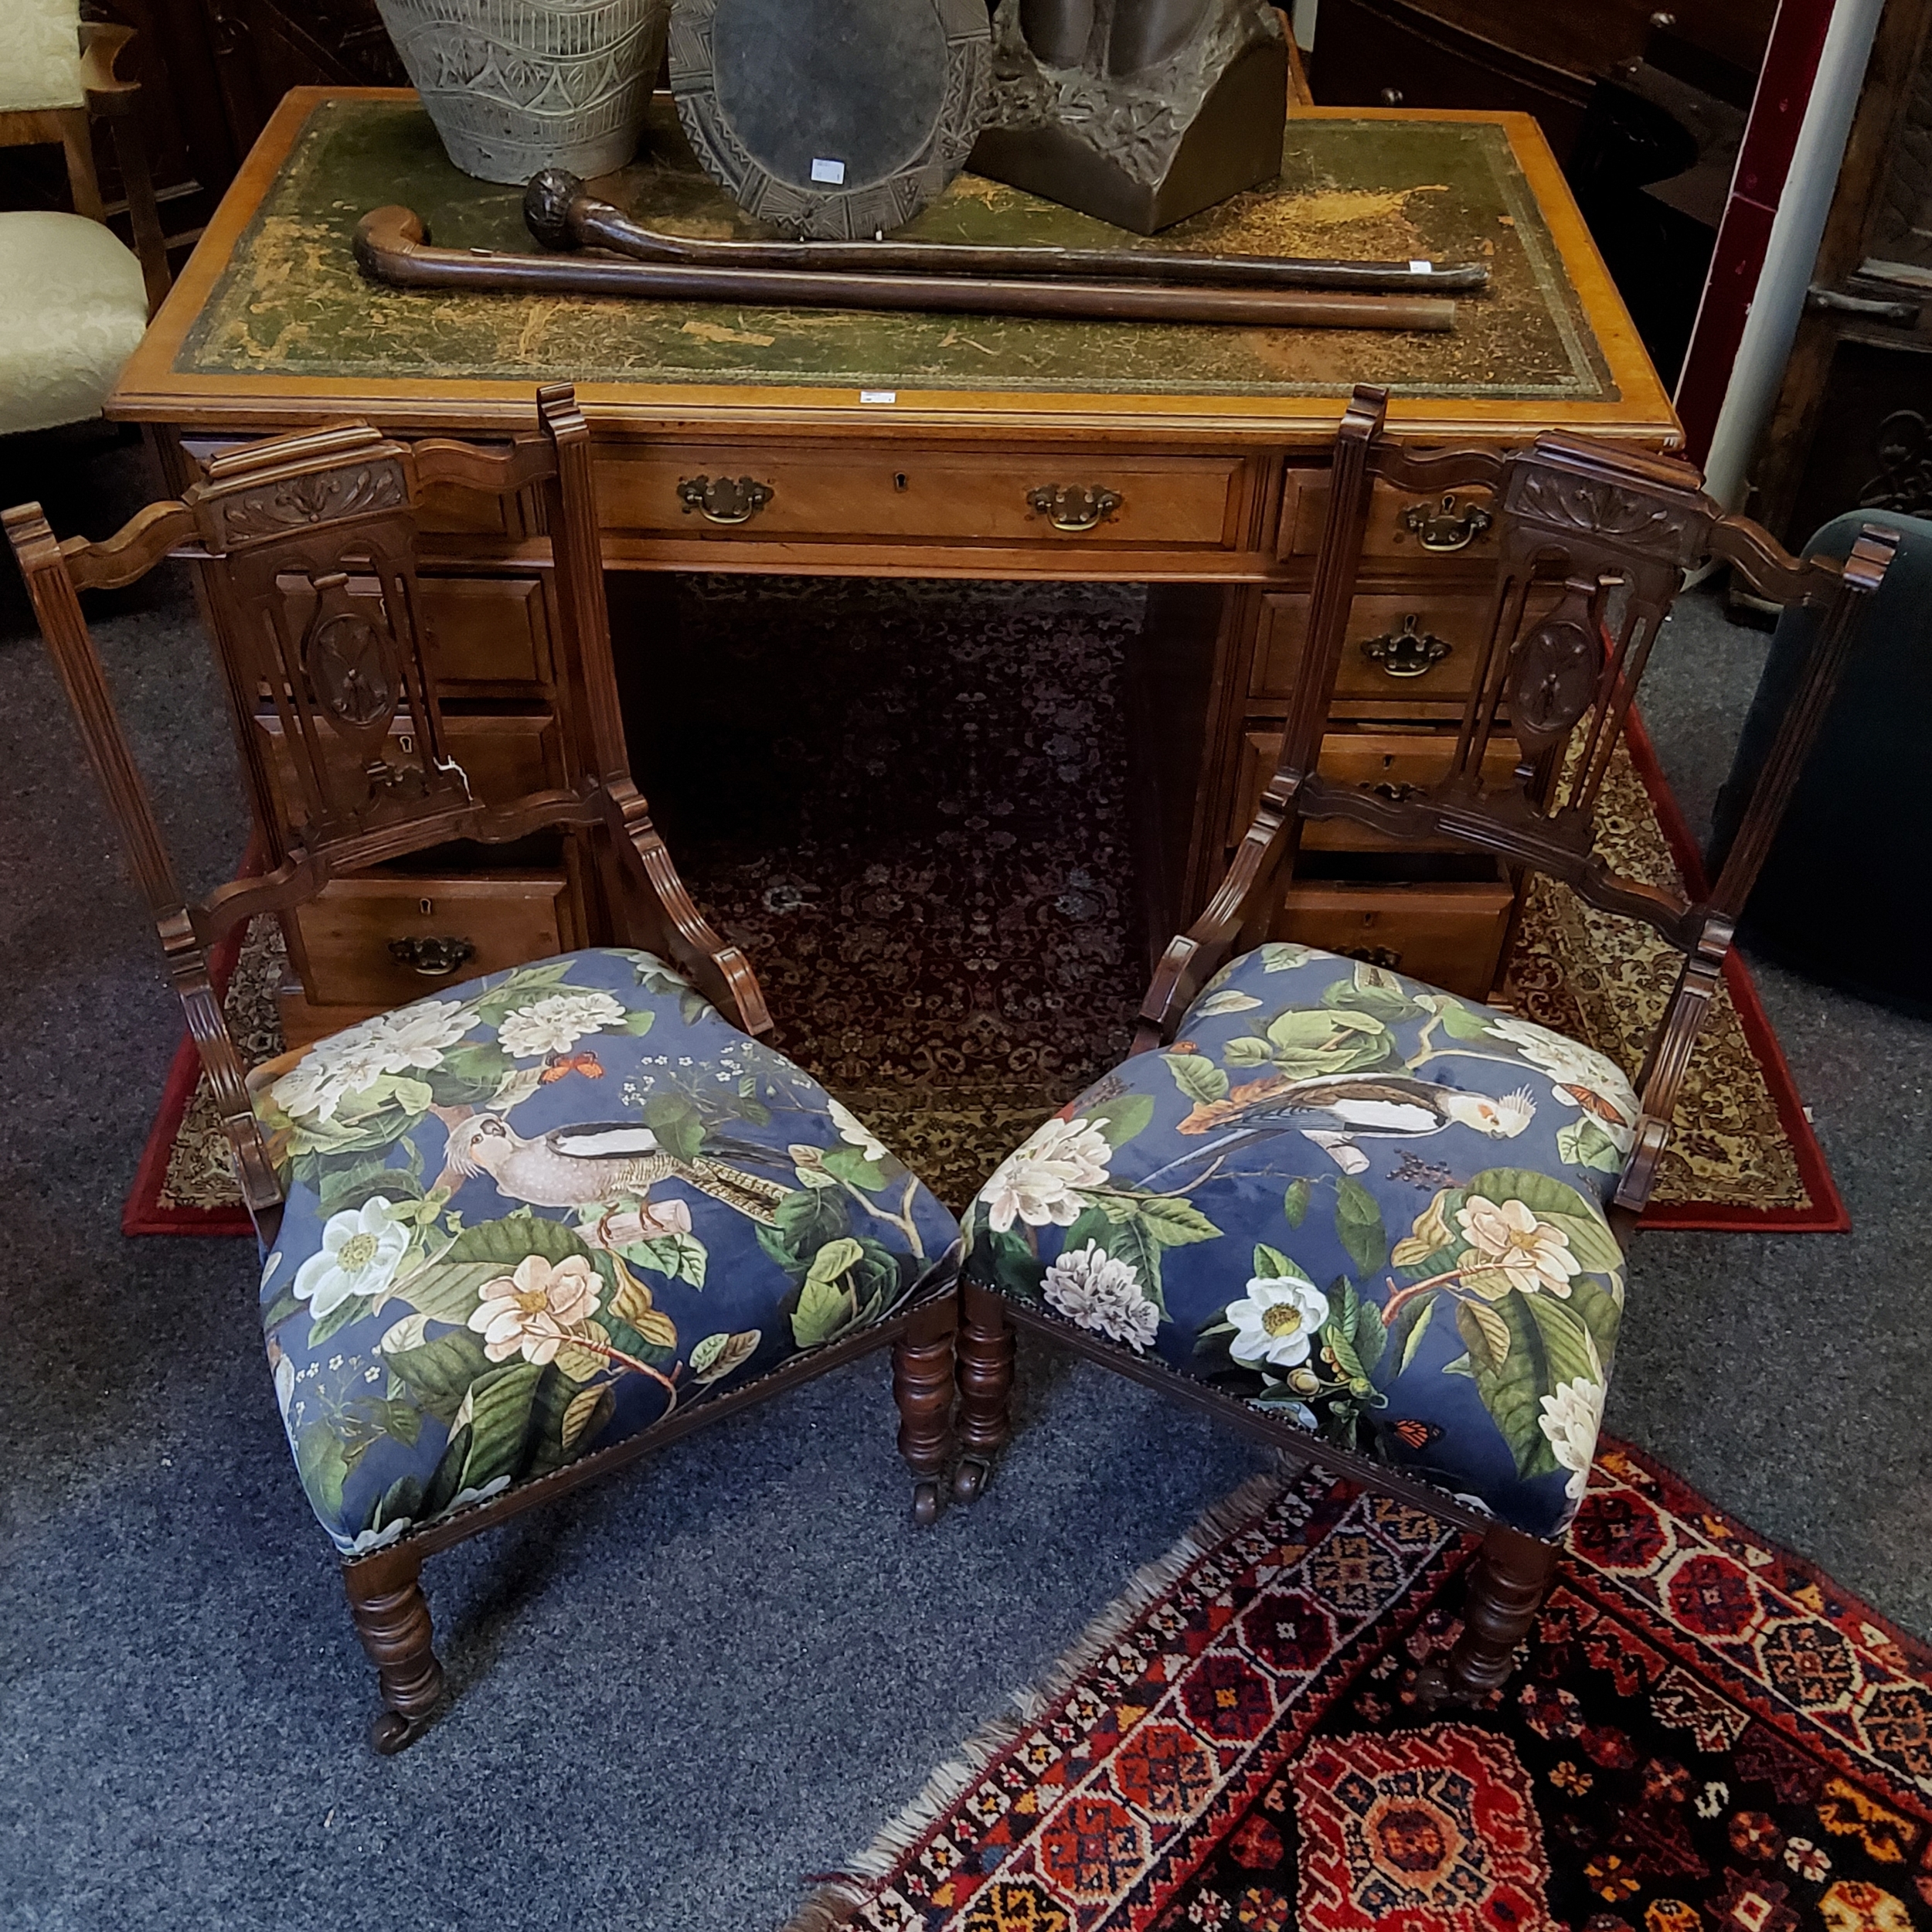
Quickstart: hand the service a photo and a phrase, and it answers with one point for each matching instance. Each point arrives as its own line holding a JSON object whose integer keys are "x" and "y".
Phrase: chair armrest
{"x": 106, "y": 93}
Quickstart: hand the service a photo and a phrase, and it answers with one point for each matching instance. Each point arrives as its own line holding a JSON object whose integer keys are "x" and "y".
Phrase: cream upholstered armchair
{"x": 73, "y": 301}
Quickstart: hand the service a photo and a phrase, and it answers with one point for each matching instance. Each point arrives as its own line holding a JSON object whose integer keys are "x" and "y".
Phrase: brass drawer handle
{"x": 1387, "y": 958}
{"x": 1448, "y": 529}
{"x": 724, "y": 499}
{"x": 1073, "y": 507}
{"x": 433, "y": 958}
{"x": 1407, "y": 653}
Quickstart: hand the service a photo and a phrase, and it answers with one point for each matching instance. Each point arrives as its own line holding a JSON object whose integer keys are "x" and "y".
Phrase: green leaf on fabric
{"x": 1120, "y": 1119}
{"x": 1003, "y": 1259}
{"x": 1233, "y": 1001}
{"x": 1358, "y": 1225}
{"x": 1600, "y": 1312}
{"x": 677, "y": 1125}
{"x": 638, "y": 1023}
{"x": 1246, "y": 1051}
{"x": 448, "y": 1288}
{"x": 1270, "y": 1264}
{"x": 850, "y": 1164}
{"x": 1197, "y": 1076}
{"x": 633, "y": 1304}
{"x": 835, "y": 1258}
{"x": 471, "y": 1074}
{"x": 825, "y": 1311}
{"x": 1134, "y": 1242}
{"x": 1369, "y": 1336}
{"x": 1090, "y": 1224}
{"x": 1430, "y": 1248}
{"x": 1512, "y": 1388}
{"x": 447, "y": 1478}
{"x": 587, "y": 1415}
{"x": 802, "y": 1224}
{"x": 1371, "y": 989}
{"x": 1585, "y": 1143}
{"x": 1338, "y": 1336}
{"x": 1460, "y": 1022}
{"x": 337, "y": 1319}
{"x": 350, "y": 1183}
{"x": 1329, "y": 1040}
{"x": 402, "y": 1501}
{"x": 440, "y": 1373}
{"x": 1295, "y": 1202}
{"x": 1281, "y": 956}
{"x": 523, "y": 987}
{"x": 1569, "y": 1348}
{"x": 1462, "y": 1366}
{"x": 678, "y": 1257}
{"x": 1173, "y": 1222}
{"x": 500, "y": 1404}
{"x": 402, "y": 1419}
{"x": 1407, "y": 1331}
{"x": 322, "y": 1463}
{"x": 1485, "y": 1333}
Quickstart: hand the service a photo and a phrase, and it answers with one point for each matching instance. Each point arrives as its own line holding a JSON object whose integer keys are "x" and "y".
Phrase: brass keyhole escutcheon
{"x": 724, "y": 499}
{"x": 1410, "y": 652}
{"x": 432, "y": 958}
{"x": 1073, "y": 507}
{"x": 1447, "y": 528}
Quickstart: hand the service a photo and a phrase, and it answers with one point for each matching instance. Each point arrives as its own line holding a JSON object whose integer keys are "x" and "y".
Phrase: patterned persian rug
{"x": 909, "y": 802}
{"x": 1704, "y": 1735}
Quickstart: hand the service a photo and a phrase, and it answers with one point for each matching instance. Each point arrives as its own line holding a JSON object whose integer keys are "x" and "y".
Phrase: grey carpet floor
{"x": 681, "y": 1694}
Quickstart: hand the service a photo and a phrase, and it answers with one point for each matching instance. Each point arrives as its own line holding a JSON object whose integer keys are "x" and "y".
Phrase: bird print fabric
{"x": 1367, "y": 1207}
{"x": 529, "y": 1217}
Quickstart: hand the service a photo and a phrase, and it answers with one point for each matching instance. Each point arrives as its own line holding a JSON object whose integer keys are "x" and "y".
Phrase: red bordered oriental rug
{"x": 1705, "y": 1735}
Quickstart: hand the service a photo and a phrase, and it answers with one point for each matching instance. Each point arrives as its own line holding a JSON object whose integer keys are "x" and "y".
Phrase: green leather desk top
{"x": 274, "y": 292}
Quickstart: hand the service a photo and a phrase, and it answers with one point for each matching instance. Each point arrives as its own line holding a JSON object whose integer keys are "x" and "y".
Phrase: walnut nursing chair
{"x": 1380, "y": 1225}
{"x": 519, "y": 1231}
{"x": 73, "y": 301}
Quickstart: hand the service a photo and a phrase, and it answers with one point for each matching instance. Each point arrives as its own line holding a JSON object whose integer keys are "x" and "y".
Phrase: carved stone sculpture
{"x": 514, "y": 86}
{"x": 1139, "y": 111}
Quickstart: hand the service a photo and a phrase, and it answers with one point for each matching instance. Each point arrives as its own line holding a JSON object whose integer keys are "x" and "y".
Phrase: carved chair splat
{"x": 1594, "y": 545}
{"x": 289, "y": 525}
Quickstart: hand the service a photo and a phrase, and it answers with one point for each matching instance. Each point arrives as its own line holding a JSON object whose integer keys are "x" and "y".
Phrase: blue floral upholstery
{"x": 529, "y": 1216}
{"x": 1371, "y": 1207}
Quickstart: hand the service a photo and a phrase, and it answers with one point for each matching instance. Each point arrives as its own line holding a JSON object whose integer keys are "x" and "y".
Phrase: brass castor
{"x": 970, "y": 1478}
{"x": 926, "y": 1504}
{"x": 391, "y": 1732}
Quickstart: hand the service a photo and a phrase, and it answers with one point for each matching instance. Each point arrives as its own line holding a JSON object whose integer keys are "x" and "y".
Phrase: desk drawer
{"x": 1428, "y": 644}
{"x": 1404, "y": 525}
{"x": 882, "y": 495}
{"x": 488, "y": 634}
{"x": 504, "y": 756}
{"x": 1449, "y": 934}
{"x": 1390, "y": 758}
{"x": 345, "y": 932}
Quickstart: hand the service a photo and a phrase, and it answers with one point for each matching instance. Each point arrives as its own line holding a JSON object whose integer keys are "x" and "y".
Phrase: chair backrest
{"x": 290, "y": 524}
{"x": 56, "y": 71}
{"x": 1593, "y": 543}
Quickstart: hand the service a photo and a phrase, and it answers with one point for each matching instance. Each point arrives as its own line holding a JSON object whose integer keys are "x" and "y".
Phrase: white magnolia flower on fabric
{"x": 285, "y": 1373}
{"x": 1040, "y": 1183}
{"x": 1095, "y": 1291}
{"x": 362, "y": 1249}
{"x": 1509, "y": 1240}
{"x": 409, "y": 1041}
{"x": 1278, "y": 1320}
{"x": 532, "y": 1311}
{"x": 1567, "y": 1059}
{"x": 555, "y": 1023}
{"x": 1571, "y": 1418}
{"x": 852, "y": 1128}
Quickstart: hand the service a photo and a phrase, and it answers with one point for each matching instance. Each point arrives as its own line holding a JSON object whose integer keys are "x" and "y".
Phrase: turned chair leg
{"x": 923, "y": 1388}
{"x": 1508, "y": 1582}
{"x": 393, "y": 1619}
{"x": 985, "y": 1387}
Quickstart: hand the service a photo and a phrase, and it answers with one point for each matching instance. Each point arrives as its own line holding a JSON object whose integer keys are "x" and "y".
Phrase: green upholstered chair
{"x": 73, "y": 300}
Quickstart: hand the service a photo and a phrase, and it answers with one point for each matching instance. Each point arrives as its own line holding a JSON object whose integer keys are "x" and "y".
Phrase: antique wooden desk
{"x": 910, "y": 446}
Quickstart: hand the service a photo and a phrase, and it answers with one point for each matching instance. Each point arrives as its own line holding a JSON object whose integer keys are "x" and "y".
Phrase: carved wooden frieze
{"x": 284, "y": 508}
{"x": 1613, "y": 512}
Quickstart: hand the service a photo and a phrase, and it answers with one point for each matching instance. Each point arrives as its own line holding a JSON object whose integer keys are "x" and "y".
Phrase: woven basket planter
{"x": 514, "y": 86}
